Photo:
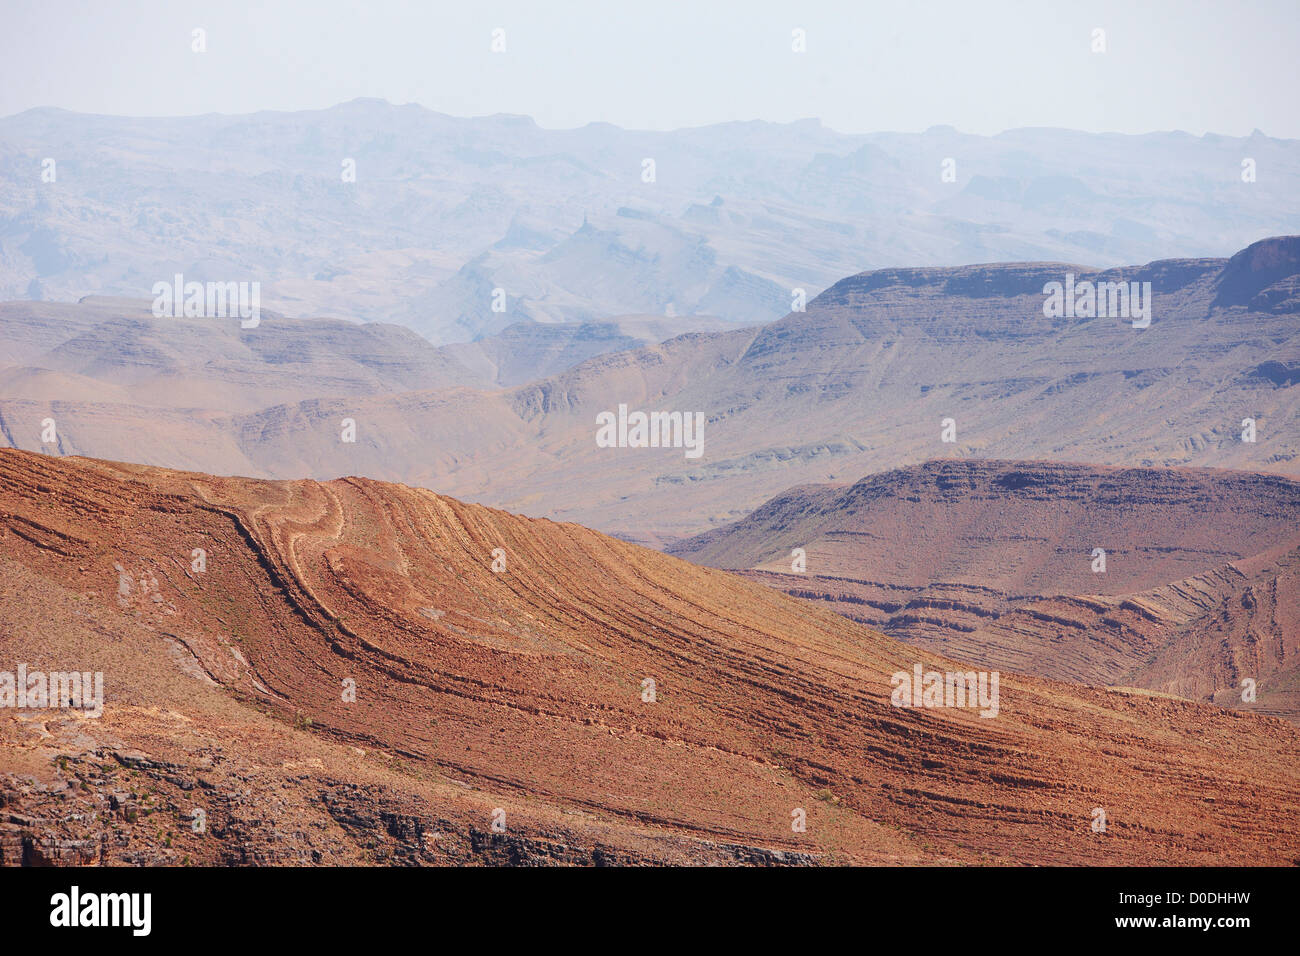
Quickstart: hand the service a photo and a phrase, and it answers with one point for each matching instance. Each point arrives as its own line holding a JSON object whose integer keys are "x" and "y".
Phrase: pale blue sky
{"x": 1224, "y": 67}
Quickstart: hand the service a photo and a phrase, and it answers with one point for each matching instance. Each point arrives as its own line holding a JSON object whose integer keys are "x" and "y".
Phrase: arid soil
{"x": 994, "y": 562}
{"x": 523, "y": 690}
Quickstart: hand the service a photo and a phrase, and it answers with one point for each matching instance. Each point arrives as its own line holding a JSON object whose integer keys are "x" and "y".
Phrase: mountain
{"x": 400, "y": 214}
{"x": 346, "y": 679}
{"x": 117, "y": 349}
{"x": 997, "y": 563}
{"x": 104, "y": 349}
{"x": 527, "y": 351}
{"x": 861, "y": 382}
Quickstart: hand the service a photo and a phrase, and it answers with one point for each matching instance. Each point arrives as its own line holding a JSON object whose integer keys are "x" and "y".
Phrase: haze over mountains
{"x": 527, "y": 351}
{"x": 521, "y": 691}
{"x": 859, "y": 383}
{"x": 444, "y": 210}
{"x": 104, "y": 350}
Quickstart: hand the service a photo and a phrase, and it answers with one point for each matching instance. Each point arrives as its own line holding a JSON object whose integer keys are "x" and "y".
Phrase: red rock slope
{"x": 993, "y": 562}
{"x": 522, "y": 690}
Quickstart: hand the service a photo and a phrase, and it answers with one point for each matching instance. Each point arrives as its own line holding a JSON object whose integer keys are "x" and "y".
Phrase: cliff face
{"x": 995, "y": 562}
{"x": 1261, "y": 277}
{"x": 227, "y": 690}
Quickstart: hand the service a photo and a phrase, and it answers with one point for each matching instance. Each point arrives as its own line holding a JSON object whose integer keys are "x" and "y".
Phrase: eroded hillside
{"x": 523, "y": 689}
{"x": 1181, "y": 581}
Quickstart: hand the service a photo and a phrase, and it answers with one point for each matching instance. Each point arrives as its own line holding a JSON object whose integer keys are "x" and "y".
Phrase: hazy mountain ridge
{"x": 526, "y": 351}
{"x": 104, "y": 349}
{"x": 739, "y": 214}
{"x": 178, "y": 363}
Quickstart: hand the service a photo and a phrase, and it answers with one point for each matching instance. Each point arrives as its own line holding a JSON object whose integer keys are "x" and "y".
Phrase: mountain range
{"x": 400, "y": 214}
{"x": 334, "y": 667}
{"x": 875, "y": 374}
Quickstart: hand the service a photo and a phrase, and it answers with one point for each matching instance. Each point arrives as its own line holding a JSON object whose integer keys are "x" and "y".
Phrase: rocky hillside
{"x": 996, "y": 562}
{"x": 344, "y": 677}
